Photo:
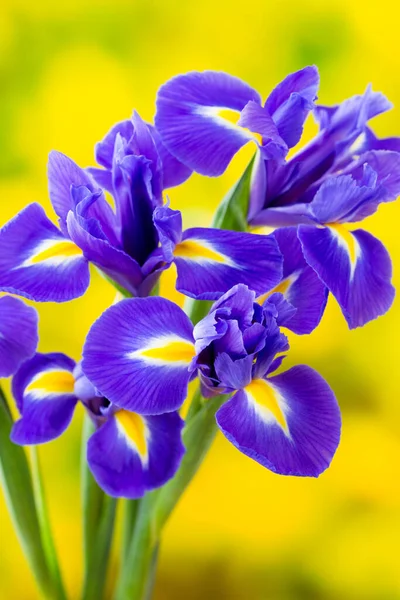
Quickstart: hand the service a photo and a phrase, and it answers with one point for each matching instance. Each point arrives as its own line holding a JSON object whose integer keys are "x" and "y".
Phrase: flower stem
{"x": 134, "y": 580}
{"x": 155, "y": 508}
{"x": 98, "y": 526}
{"x": 129, "y": 519}
{"x": 16, "y": 479}
{"x": 44, "y": 522}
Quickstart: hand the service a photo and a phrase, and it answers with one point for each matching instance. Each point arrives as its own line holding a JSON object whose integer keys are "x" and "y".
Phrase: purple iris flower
{"x": 18, "y": 334}
{"x": 204, "y": 118}
{"x": 129, "y": 454}
{"x": 339, "y": 178}
{"x": 142, "y": 353}
{"x": 132, "y": 245}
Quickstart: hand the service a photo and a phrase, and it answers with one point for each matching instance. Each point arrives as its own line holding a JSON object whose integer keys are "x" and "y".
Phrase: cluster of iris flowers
{"x": 141, "y": 354}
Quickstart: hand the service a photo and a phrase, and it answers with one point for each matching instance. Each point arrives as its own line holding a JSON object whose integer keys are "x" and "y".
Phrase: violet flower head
{"x": 134, "y": 244}
{"x": 338, "y": 179}
{"x": 142, "y": 353}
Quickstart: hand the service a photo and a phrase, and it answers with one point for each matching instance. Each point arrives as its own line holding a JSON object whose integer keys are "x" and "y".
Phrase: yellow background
{"x": 68, "y": 71}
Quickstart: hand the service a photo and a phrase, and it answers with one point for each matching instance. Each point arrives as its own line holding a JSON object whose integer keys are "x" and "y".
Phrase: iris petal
{"x": 139, "y": 355}
{"x": 289, "y": 423}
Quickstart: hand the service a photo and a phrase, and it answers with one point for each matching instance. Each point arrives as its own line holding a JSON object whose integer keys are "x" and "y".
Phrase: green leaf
{"x": 98, "y": 525}
{"x": 232, "y": 212}
{"x": 17, "y": 483}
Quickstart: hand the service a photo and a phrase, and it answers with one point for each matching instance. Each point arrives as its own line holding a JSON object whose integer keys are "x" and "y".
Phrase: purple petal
{"x": 139, "y": 355}
{"x": 38, "y": 262}
{"x": 300, "y": 285}
{"x": 104, "y": 150}
{"x": 131, "y": 454}
{"x": 63, "y": 175}
{"x": 289, "y": 423}
{"x": 352, "y": 115}
{"x": 169, "y": 226}
{"x": 211, "y": 261}
{"x": 18, "y": 334}
{"x": 135, "y": 205}
{"x": 115, "y": 263}
{"x": 355, "y": 267}
{"x": 255, "y": 117}
{"x": 233, "y": 374}
{"x": 291, "y": 101}
{"x": 174, "y": 172}
{"x": 44, "y": 391}
{"x": 188, "y": 121}
{"x": 62, "y": 172}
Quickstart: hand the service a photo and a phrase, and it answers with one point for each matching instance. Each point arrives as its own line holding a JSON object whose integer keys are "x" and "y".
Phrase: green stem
{"x": 152, "y": 573}
{"x": 44, "y": 522}
{"x": 130, "y": 514}
{"x": 155, "y": 507}
{"x": 17, "y": 484}
{"x": 133, "y": 583}
{"x": 98, "y": 526}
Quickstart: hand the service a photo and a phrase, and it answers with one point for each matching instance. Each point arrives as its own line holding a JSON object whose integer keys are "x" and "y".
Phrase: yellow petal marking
{"x": 263, "y": 394}
{"x": 193, "y": 250}
{"x": 134, "y": 427}
{"x": 171, "y": 352}
{"x": 61, "y": 250}
{"x": 347, "y": 237}
{"x": 281, "y": 288}
{"x": 52, "y": 382}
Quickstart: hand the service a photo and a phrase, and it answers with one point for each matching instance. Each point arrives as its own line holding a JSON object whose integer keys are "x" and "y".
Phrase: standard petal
{"x": 355, "y": 267}
{"x": 255, "y": 117}
{"x": 132, "y": 454}
{"x": 168, "y": 223}
{"x": 62, "y": 173}
{"x": 115, "y": 263}
{"x": 38, "y": 262}
{"x": 18, "y": 334}
{"x": 139, "y": 355}
{"x": 174, "y": 172}
{"x": 289, "y": 423}
{"x": 104, "y": 150}
{"x": 291, "y": 101}
{"x": 211, "y": 261}
{"x": 300, "y": 285}
{"x": 44, "y": 391}
{"x": 191, "y": 123}
{"x": 135, "y": 205}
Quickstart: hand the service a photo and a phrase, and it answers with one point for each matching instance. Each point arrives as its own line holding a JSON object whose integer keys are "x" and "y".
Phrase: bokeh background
{"x": 68, "y": 71}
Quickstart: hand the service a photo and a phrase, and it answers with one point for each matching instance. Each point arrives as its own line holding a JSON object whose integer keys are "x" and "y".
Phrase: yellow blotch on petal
{"x": 53, "y": 382}
{"x": 61, "y": 250}
{"x": 347, "y": 237}
{"x": 171, "y": 352}
{"x": 281, "y": 288}
{"x": 134, "y": 427}
{"x": 193, "y": 250}
{"x": 263, "y": 394}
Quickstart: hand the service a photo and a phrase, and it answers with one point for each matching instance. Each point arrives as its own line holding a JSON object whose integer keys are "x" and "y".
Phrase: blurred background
{"x": 68, "y": 71}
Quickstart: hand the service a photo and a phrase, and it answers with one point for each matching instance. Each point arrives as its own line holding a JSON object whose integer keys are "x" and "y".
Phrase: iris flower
{"x": 142, "y": 352}
{"x": 338, "y": 179}
{"x": 128, "y": 454}
{"x": 18, "y": 334}
{"x": 130, "y": 246}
